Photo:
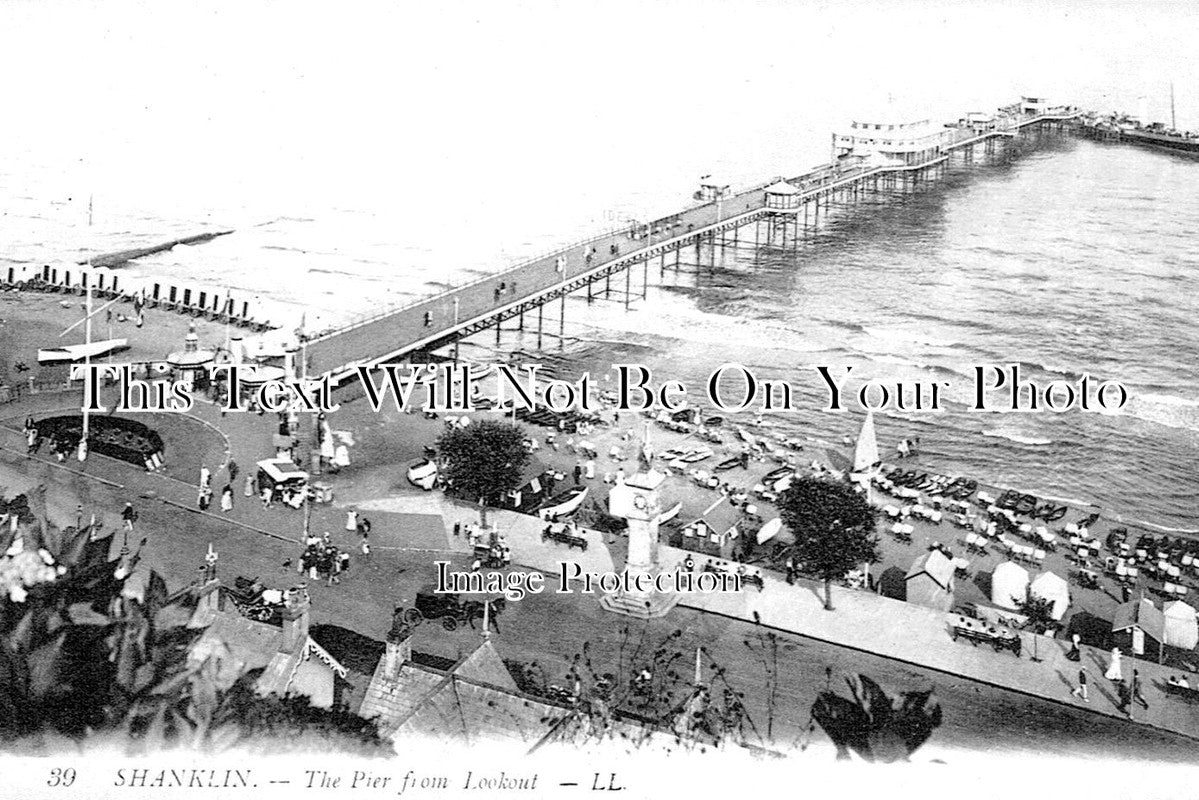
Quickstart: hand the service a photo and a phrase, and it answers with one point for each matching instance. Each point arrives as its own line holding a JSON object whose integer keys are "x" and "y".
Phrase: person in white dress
{"x": 1113, "y": 670}
{"x": 352, "y": 521}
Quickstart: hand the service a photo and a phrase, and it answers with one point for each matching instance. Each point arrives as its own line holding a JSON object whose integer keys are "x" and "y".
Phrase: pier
{"x": 777, "y": 212}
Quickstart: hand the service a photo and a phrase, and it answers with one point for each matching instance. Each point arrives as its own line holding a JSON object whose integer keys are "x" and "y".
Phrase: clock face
{"x": 639, "y": 501}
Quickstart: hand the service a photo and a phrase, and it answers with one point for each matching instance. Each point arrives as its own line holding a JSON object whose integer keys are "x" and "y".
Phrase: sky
{"x": 246, "y": 109}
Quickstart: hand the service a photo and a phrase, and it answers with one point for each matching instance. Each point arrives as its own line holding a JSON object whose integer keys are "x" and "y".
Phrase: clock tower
{"x": 637, "y": 501}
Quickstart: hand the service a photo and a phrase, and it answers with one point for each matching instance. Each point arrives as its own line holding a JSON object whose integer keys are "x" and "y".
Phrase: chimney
{"x": 295, "y": 619}
{"x": 398, "y": 650}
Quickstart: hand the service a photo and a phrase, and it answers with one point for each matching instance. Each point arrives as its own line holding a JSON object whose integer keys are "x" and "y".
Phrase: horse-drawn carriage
{"x": 255, "y": 601}
{"x": 451, "y": 609}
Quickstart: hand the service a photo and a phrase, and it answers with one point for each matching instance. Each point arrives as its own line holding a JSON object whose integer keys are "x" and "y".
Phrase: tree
{"x": 833, "y": 528}
{"x": 484, "y": 459}
{"x": 870, "y": 724}
{"x": 87, "y": 658}
{"x": 1038, "y": 613}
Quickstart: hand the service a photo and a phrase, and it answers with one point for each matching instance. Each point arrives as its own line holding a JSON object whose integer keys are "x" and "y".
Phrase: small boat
{"x": 697, "y": 454}
{"x": 1025, "y": 504}
{"x": 782, "y": 484}
{"x": 794, "y": 444}
{"x": 672, "y": 454}
{"x": 775, "y": 474}
{"x": 713, "y": 421}
{"x": 1008, "y": 499}
{"x": 563, "y": 504}
{"x": 423, "y": 474}
{"x": 1057, "y": 514}
{"x": 670, "y": 513}
{"x": 728, "y": 463}
{"x": 769, "y": 530}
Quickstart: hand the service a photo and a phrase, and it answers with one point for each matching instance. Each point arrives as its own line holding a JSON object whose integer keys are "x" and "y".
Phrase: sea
{"x": 384, "y": 154}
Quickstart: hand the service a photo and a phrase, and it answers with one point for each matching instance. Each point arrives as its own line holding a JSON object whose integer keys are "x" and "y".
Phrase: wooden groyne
{"x": 123, "y": 257}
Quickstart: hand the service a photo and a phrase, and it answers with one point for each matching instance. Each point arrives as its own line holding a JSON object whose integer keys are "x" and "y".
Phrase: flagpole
{"x": 87, "y": 355}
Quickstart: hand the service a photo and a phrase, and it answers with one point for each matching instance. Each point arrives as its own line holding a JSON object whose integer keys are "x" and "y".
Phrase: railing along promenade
{"x": 531, "y": 284}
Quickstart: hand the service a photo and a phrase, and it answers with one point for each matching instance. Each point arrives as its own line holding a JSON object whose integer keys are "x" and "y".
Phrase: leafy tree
{"x": 483, "y": 459}
{"x": 1038, "y": 614}
{"x": 833, "y": 528}
{"x": 872, "y": 725}
{"x": 87, "y": 656}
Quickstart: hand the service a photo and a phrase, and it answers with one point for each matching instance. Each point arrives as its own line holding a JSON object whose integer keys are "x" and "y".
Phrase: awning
{"x": 80, "y": 352}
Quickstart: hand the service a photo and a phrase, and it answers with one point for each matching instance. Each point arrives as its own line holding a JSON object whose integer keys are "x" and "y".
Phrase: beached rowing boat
{"x": 423, "y": 474}
{"x": 563, "y": 504}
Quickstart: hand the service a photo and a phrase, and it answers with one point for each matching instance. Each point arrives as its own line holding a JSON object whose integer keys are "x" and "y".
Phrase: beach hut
{"x": 929, "y": 581}
{"x": 1182, "y": 629}
{"x": 1052, "y": 587}
{"x": 715, "y": 532}
{"x": 1138, "y": 627}
{"x": 1009, "y": 585}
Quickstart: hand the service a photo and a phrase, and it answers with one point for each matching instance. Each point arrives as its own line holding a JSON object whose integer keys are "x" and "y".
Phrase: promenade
{"x": 412, "y": 529}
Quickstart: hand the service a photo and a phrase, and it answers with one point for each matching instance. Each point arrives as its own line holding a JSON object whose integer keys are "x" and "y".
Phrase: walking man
{"x": 205, "y": 476}
{"x": 1136, "y": 690}
{"x": 129, "y": 516}
{"x": 1081, "y": 691}
{"x": 1125, "y": 694}
{"x": 233, "y": 470}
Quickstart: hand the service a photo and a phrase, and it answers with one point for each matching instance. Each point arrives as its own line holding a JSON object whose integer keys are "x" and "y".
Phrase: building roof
{"x": 720, "y": 517}
{"x": 1177, "y": 609}
{"x": 475, "y": 700}
{"x": 935, "y": 565}
{"x": 1141, "y": 614}
{"x": 242, "y": 644}
{"x": 781, "y": 187}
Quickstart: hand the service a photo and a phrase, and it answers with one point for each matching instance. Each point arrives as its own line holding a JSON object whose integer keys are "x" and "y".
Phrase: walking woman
{"x": 227, "y": 499}
{"x": 1113, "y": 670}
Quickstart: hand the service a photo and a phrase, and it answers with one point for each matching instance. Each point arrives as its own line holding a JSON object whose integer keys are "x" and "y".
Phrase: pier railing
{"x": 422, "y": 321}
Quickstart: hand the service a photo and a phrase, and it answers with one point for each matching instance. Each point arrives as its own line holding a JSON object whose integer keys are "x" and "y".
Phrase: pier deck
{"x": 528, "y": 287}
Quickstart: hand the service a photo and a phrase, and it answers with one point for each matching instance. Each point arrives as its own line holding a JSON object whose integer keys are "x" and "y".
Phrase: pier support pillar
{"x": 562, "y": 322}
{"x": 540, "y": 307}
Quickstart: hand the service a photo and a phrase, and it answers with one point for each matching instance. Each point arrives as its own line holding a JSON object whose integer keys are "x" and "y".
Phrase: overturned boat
{"x": 423, "y": 474}
{"x": 563, "y": 504}
{"x": 670, "y": 513}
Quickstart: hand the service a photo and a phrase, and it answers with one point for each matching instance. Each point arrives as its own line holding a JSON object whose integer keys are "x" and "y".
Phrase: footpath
{"x": 861, "y": 620}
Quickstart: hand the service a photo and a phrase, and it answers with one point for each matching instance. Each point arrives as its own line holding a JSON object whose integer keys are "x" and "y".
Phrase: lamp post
{"x": 455, "y": 330}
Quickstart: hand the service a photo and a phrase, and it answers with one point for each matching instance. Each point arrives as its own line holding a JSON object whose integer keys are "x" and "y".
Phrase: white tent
{"x": 1009, "y": 585}
{"x": 1182, "y": 630}
{"x": 1052, "y": 587}
{"x": 865, "y": 456}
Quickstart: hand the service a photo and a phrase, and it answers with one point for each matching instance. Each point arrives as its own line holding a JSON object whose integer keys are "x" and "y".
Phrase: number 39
{"x": 61, "y": 777}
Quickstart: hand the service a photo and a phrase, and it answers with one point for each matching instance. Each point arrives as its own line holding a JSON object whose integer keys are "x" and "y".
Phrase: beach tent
{"x": 1138, "y": 627}
{"x": 929, "y": 581}
{"x": 1052, "y": 587}
{"x": 865, "y": 455}
{"x": 1009, "y": 585}
{"x": 1182, "y": 629}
